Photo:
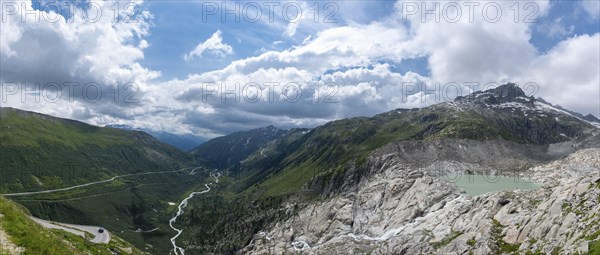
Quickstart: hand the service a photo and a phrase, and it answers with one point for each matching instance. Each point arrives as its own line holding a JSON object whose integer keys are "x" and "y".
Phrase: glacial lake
{"x": 479, "y": 184}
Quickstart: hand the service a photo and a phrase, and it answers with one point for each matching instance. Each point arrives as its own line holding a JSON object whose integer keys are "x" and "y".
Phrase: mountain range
{"x": 184, "y": 142}
{"x": 371, "y": 185}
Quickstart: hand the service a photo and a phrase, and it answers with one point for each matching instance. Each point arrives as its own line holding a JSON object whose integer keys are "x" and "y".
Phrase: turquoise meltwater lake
{"x": 479, "y": 184}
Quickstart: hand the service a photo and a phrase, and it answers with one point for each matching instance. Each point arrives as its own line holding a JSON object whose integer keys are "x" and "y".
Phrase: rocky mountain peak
{"x": 269, "y": 128}
{"x": 509, "y": 92}
{"x": 591, "y": 118}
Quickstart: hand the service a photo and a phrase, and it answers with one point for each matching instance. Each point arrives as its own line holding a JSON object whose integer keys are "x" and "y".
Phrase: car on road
{"x": 100, "y": 230}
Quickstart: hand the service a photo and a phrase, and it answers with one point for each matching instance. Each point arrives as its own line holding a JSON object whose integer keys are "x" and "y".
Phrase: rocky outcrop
{"x": 414, "y": 209}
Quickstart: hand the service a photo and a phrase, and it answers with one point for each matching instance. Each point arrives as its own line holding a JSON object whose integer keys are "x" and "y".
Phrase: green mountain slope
{"x": 20, "y": 235}
{"x": 40, "y": 152}
{"x": 228, "y": 151}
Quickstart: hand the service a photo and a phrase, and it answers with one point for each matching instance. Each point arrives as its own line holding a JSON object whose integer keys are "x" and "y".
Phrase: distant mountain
{"x": 531, "y": 120}
{"x": 230, "y": 150}
{"x": 41, "y": 152}
{"x": 184, "y": 142}
{"x": 590, "y": 117}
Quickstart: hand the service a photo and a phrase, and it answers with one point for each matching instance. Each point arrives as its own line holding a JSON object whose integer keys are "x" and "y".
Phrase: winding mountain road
{"x": 91, "y": 183}
{"x": 79, "y": 230}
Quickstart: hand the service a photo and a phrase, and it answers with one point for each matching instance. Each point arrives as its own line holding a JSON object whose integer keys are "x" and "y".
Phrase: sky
{"x": 214, "y": 67}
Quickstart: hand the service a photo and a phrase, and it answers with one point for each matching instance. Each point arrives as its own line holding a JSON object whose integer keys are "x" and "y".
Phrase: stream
{"x": 178, "y": 250}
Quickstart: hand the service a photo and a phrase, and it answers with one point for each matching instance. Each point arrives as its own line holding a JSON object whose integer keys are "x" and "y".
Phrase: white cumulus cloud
{"x": 84, "y": 50}
{"x": 213, "y": 45}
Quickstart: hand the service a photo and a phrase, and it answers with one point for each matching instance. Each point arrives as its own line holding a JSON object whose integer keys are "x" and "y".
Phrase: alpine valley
{"x": 433, "y": 180}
